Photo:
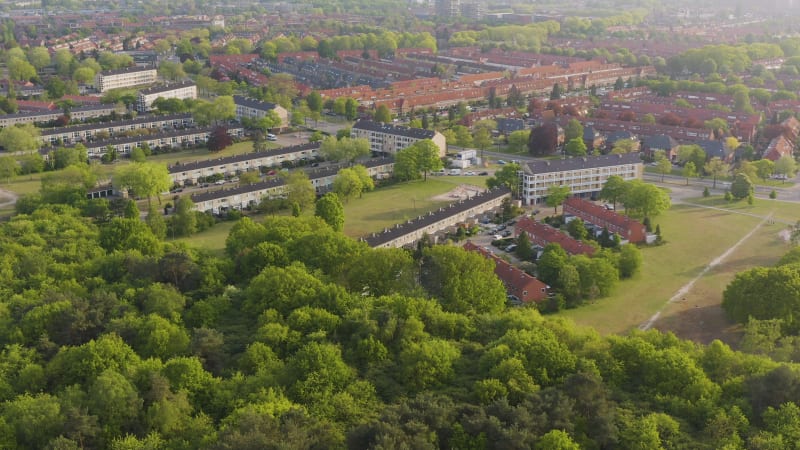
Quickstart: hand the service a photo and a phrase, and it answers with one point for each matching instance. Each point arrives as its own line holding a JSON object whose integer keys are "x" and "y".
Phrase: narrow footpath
{"x": 688, "y": 286}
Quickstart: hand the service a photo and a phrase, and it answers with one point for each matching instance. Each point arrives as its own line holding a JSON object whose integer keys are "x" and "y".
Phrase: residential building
{"x": 80, "y": 133}
{"x": 240, "y": 197}
{"x": 448, "y": 8}
{"x": 180, "y": 91}
{"x": 122, "y": 78}
{"x": 188, "y": 173}
{"x": 778, "y": 147}
{"x": 76, "y": 114}
{"x": 584, "y": 176}
{"x": 407, "y": 233}
{"x": 542, "y": 234}
{"x": 519, "y": 285}
{"x": 167, "y": 139}
{"x": 388, "y": 139}
{"x": 652, "y": 144}
{"x": 256, "y": 109}
{"x": 627, "y": 228}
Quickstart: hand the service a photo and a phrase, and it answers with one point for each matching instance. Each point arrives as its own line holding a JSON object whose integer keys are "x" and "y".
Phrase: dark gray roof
{"x": 506, "y": 125}
{"x": 89, "y": 108}
{"x": 253, "y": 103}
{"x": 416, "y": 133}
{"x": 589, "y": 133}
{"x": 183, "y": 167}
{"x": 313, "y": 174}
{"x": 712, "y": 148}
{"x": 166, "y": 87}
{"x": 587, "y": 162}
{"x": 619, "y": 135}
{"x": 401, "y": 229}
{"x": 659, "y": 142}
{"x": 103, "y": 125}
{"x": 131, "y": 69}
{"x": 244, "y": 189}
{"x": 145, "y": 137}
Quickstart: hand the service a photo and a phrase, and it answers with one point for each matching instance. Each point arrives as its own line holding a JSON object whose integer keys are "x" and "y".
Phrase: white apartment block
{"x": 180, "y": 91}
{"x": 122, "y": 78}
{"x": 584, "y": 176}
{"x": 256, "y": 109}
{"x": 389, "y": 139}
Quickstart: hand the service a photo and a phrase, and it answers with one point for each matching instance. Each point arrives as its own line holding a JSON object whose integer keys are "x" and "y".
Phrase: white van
{"x": 271, "y": 137}
{"x": 455, "y": 171}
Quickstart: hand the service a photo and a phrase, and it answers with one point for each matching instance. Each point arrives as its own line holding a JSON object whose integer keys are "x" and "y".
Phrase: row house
{"x": 168, "y": 139}
{"x": 519, "y": 285}
{"x": 76, "y": 114}
{"x": 409, "y": 232}
{"x": 181, "y": 91}
{"x": 644, "y": 129}
{"x": 122, "y": 78}
{"x": 627, "y": 228}
{"x": 388, "y": 139}
{"x": 241, "y": 197}
{"x": 585, "y": 176}
{"x": 80, "y": 133}
{"x": 542, "y": 234}
{"x": 189, "y": 173}
{"x": 778, "y": 148}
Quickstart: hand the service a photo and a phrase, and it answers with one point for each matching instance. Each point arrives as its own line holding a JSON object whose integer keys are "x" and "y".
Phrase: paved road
{"x": 696, "y": 185}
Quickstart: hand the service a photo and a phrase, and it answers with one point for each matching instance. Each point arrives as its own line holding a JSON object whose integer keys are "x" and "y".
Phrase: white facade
{"x": 583, "y": 175}
{"x": 389, "y": 139}
{"x": 180, "y": 91}
{"x": 123, "y": 78}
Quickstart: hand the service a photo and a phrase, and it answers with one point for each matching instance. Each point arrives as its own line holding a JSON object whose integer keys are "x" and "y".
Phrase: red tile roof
{"x": 525, "y": 287}
{"x": 626, "y": 227}
{"x": 542, "y": 235}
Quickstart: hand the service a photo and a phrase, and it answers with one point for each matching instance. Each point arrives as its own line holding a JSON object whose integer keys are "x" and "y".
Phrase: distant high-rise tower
{"x": 448, "y": 8}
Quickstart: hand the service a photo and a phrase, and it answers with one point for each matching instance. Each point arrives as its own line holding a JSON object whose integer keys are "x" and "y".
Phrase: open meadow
{"x": 695, "y": 236}
{"x": 372, "y": 212}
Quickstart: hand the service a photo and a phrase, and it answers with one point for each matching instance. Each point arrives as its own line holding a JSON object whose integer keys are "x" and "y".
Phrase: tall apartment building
{"x": 584, "y": 176}
{"x": 388, "y": 138}
{"x": 122, "y": 78}
{"x": 180, "y": 91}
{"x": 448, "y": 8}
{"x": 256, "y": 109}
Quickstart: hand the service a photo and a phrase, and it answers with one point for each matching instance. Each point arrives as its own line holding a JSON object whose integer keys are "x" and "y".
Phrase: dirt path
{"x": 681, "y": 293}
{"x": 7, "y": 198}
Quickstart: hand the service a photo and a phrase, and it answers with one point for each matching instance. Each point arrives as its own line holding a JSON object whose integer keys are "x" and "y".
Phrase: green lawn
{"x": 373, "y": 212}
{"x": 695, "y": 236}
{"x": 212, "y": 239}
{"x": 399, "y": 202}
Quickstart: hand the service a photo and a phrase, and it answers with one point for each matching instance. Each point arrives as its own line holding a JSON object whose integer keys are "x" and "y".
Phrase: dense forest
{"x": 300, "y": 337}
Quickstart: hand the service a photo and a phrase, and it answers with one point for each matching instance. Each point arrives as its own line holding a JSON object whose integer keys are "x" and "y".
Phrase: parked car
{"x": 470, "y": 173}
{"x": 501, "y": 162}
{"x": 484, "y": 174}
{"x": 220, "y": 182}
{"x": 271, "y": 137}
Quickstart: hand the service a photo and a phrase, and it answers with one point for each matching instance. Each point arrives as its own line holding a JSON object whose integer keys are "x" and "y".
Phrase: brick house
{"x": 628, "y": 229}
{"x": 522, "y": 286}
{"x": 541, "y": 235}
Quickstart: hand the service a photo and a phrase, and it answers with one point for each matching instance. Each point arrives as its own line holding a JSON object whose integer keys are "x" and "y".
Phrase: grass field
{"x": 212, "y": 239}
{"x": 400, "y": 202}
{"x": 373, "y": 212}
{"x": 695, "y": 236}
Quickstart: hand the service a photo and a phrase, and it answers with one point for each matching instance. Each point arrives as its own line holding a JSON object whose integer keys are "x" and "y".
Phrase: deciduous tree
{"x": 329, "y": 208}
{"x": 556, "y": 196}
{"x": 716, "y": 167}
